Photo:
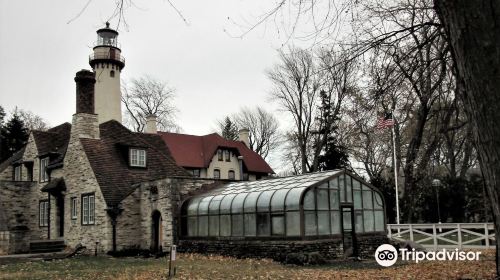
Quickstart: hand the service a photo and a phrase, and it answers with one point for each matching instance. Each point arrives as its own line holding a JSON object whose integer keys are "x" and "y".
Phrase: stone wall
{"x": 80, "y": 179}
{"x": 14, "y": 241}
{"x": 135, "y": 223}
{"x": 279, "y": 250}
{"x": 273, "y": 249}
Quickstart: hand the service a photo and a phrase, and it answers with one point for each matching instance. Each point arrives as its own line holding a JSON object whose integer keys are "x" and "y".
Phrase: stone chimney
{"x": 151, "y": 124}
{"x": 85, "y": 122}
{"x": 243, "y": 136}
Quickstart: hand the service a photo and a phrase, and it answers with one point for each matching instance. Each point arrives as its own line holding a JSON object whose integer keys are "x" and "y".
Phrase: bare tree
{"x": 264, "y": 136}
{"x": 296, "y": 89}
{"x": 146, "y": 96}
{"x": 32, "y": 121}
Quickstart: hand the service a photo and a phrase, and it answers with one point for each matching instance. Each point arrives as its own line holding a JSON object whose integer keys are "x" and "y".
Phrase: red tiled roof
{"x": 197, "y": 151}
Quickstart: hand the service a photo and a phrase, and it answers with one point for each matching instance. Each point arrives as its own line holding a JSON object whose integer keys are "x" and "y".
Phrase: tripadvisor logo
{"x": 387, "y": 255}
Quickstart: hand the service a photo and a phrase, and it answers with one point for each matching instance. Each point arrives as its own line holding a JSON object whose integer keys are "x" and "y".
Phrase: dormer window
{"x": 138, "y": 157}
{"x": 44, "y": 175}
{"x": 17, "y": 172}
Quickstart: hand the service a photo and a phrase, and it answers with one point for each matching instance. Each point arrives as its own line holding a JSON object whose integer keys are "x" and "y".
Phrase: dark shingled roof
{"x": 53, "y": 142}
{"x": 197, "y": 151}
{"x": 108, "y": 157}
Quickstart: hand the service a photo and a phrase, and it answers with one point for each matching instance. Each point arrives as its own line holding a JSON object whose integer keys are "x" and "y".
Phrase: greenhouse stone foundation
{"x": 280, "y": 250}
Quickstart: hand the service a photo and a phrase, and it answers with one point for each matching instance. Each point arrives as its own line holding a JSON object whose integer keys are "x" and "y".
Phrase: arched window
{"x": 216, "y": 174}
{"x": 230, "y": 175}
{"x": 112, "y": 73}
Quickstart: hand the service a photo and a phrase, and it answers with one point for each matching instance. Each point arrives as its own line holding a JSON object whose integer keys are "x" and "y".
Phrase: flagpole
{"x": 396, "y": 174}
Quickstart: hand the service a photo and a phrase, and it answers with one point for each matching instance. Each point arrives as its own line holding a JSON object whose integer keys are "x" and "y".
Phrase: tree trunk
{"x": 473, "y": 30}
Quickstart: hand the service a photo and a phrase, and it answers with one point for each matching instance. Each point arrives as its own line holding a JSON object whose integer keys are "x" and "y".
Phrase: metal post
{"x": 459, "y": 236}
{"x": 434, "y": 236}
{"x": 396, "y": 176}
{"x": 487, "y": 235}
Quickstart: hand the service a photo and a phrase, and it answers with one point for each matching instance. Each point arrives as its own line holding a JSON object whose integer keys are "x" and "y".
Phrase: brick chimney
{"x": 85, "y": 122}
{"x": 151, "y": 124}
{"x": 244, "y": 135}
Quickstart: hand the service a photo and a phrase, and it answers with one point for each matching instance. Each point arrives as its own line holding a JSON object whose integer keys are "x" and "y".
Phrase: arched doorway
{"x": 157, "y": 232}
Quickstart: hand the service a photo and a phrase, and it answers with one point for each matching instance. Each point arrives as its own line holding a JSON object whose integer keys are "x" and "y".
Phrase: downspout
{"x": 240, "y": 163}
{"x": 113, "y": 213}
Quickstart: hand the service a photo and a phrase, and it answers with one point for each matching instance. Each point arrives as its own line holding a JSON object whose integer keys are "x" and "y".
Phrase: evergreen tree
{"x": 14, "y": 136}
{"x": 229, "y": 130}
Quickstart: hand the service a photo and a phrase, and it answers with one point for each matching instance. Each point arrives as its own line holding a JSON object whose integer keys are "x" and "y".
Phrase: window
{"x": 44, "y": 213}
{"x": 219, "y": 154}
{"x": 44, "y": 175}
{"x": 196, "y": 172}
{"x": 17, "y": 173}
{"x": 29, "y": 175}
{"x": 73, "y": 208}
{"x": 138, "y": 157}
{"x": 88, "y": 209}
{"x": 112, "y": 73}
{"x": 230, "y": 175}
{"x": 216, "y": 174}
{"x": 228, "y": 155}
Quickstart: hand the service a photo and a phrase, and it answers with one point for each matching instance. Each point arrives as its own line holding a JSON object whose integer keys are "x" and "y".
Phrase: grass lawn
{"x": 191, "y": 266}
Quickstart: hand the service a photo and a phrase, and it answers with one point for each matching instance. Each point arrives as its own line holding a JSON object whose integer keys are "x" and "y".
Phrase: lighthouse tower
{"x": 107, "y": 63}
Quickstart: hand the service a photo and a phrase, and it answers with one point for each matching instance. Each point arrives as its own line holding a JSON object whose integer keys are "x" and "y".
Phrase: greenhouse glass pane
{"x": 278, "y": 200}
{"x": 358, "y": 200}
{"x": 358, "y": 221}
{"x": 237, "y": 225}
{"x": 334, "y": 199}
{"x": 278, "y": 225}
{"x": 293, "y": 199}
{"x": 323, "y": 222}
{"x": 378, "y": 201}
{"x": 368, "y": 220}
{"x": 203, "y": 208}
{"x": 367, "y": 199}
{"x": 310, "y": 225}
{"x": 264, "y": 201}
{"x": 225, "y": 225}
{"x": 263, "y": 224}
{"x": 309, "y": 199}
{"x": 335, "y": 221}
{"x": 203, "y": 226}
{"x": 213, "y": 225}
{"x": 346, "y": 219}
{"x": 292, "y": 223}
{"x": 214, "y": 204}
{"x": 237, "y": 206}
{"x": 193, "y": 206}
{"x": 356, "y": 185}
{"x": 225, "y": 205}
{"x": 334, "y": 184}
{"x": 342, "y": 187}
{"x": 348, "y": 187}
{"x": 379, "y": 221}
{"x": 322, "y": 199}
{"x": 251, "y": 201}
{"x": 249, "y": 224}
{"x": 192, "y": 226}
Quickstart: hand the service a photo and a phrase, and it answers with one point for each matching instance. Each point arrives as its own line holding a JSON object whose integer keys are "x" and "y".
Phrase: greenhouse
{"x": 316, "y": 206}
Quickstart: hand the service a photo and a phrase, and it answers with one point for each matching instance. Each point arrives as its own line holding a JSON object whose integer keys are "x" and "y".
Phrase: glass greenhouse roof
{"x": 298, "y": 181}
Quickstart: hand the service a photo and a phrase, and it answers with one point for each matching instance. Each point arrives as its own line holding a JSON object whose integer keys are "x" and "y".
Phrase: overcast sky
{"x": 43, "y": 45}
{"x": 214, "y": 74}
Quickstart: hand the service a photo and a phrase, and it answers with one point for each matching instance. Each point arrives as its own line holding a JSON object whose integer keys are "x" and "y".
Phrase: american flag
{"x": 385, "y": 121}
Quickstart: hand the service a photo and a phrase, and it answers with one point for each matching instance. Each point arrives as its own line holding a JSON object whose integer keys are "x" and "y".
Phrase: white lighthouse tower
{"x": 107, "y": 63}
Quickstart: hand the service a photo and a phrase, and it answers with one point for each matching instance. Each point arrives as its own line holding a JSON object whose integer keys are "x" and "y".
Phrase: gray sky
{"x": 214, "y": 74}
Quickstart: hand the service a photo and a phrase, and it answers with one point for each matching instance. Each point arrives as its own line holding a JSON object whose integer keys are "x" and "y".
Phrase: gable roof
{"x": 108, "y": 157}
{"x": 197, "y": 151}
{"x": 52, "y": 142}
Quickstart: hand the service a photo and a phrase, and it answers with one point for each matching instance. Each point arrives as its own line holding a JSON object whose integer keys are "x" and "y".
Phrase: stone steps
{"x": 45, "y": 246}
